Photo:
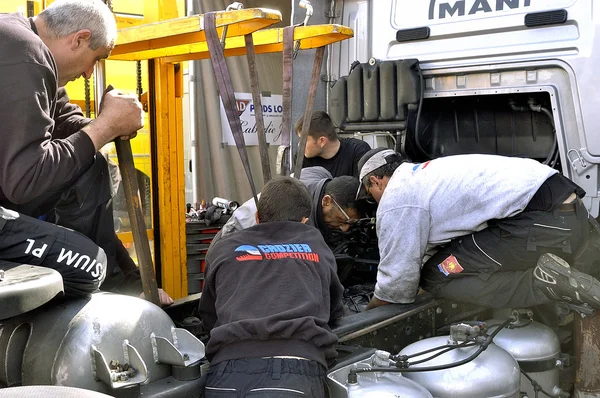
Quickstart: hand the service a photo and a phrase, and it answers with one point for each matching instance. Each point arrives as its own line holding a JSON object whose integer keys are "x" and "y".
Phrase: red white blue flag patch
{"x": 450, "y": 266}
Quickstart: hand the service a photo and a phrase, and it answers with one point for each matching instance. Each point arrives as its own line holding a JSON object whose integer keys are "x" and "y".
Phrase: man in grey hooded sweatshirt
{"x": 483, "y": 229}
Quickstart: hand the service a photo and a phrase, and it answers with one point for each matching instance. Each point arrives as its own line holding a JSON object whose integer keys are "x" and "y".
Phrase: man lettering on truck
{"x": 323, "y": 147}
{"x": 490, "y": 230}
{"x": 269, "y": 294}
{"x": 49, "y": 165}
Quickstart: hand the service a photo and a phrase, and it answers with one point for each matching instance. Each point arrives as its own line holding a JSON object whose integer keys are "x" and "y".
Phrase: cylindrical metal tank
{"x": 494, "y": 373}
{"x": 372, "y": 385}
{"x": 537, "y": 350}
{"x": 76, "y": 343}
{"x": 50, "y": 392}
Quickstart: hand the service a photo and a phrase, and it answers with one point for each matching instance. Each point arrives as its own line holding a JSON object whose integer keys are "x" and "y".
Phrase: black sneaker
{"x": 560, "y": 282}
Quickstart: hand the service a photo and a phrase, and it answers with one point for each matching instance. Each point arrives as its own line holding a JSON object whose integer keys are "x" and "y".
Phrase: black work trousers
{"x": 494, "y": 267}
{"x": 266, "y": 378}
{"x": 26, "y": 240}
{"x": 84, "y": 205}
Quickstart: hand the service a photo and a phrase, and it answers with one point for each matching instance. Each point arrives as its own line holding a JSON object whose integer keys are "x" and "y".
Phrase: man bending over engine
{"x": 333, "y": 204}
{"x": 269, "y": 294}
{"x": 489, "y": 230}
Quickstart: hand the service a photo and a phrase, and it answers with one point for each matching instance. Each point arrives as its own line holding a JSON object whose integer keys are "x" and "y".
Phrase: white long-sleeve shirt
{"x": 428, "y": 204}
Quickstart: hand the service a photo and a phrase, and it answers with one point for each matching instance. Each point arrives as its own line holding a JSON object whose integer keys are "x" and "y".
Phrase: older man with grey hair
{"x": 49, "y": 165}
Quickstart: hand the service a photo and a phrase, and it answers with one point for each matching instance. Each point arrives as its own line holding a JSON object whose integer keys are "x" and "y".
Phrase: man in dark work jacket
{"x": 49, "y": 165}
{"x": 270, "y": 291}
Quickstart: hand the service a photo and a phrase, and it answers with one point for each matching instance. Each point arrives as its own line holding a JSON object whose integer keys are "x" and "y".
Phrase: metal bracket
{"x": 185, "y": 349}
{"x": 577, "y": 161}
{"x": 232, "y": 7}
{"x": 564, "y": 360}
{"x": 132, "y": 372}
{"x": 582, "y": 309}
{"x": 309, "y": 12}
{"x": 328, "y": 78}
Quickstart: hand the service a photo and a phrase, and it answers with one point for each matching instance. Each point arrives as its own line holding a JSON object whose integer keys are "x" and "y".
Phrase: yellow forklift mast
{"x": 165, "y": 44}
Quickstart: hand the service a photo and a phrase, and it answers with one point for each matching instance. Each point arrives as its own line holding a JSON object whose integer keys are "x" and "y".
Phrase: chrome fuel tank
{"x": 537, "y": 350}
{"x": 372, "y": 385}
{"x": 494, "y": 373}
{"x": 103, "y": 343}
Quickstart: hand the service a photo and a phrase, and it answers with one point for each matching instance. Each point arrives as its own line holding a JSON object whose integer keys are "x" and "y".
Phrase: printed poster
{"x": 272, "y": 116}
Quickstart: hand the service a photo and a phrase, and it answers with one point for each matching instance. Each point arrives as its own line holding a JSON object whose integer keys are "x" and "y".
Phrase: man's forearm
{"x": 98, "y": 133}
{"x": 375, "y": 302}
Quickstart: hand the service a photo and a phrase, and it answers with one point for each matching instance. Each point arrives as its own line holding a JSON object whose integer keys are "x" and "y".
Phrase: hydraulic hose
{"x": 352, "y": 376}
{"x": 551, "y": 158}
{"x": 555, "y": 142}
{"x": 418, "y": 121}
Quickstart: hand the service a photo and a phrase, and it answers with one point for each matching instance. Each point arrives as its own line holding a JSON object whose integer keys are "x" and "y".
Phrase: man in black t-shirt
{"x": 323, "y": 147}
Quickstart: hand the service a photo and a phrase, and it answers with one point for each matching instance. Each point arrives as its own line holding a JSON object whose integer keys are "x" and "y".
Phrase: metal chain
{"x": 88, "y": 103}
{"x": 139, "y": 79}
{"x": 87, "y": 86}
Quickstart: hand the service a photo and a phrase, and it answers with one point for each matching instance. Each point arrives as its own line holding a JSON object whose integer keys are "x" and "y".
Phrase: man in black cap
{"x": 484, "y": 229}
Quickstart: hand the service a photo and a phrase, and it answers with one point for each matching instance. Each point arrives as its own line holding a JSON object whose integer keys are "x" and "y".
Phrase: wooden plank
{"x": 265, "y": 41}
{"x": 188, "y": 30}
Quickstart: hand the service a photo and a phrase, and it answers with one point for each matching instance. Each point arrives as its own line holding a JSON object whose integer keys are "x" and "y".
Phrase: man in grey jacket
{"x": 484, "y": 229}
{"x": 333, "y": 201}
{"x": 50, "y": 167}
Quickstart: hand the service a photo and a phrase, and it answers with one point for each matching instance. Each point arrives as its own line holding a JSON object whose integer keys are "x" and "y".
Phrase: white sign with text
{"x": 272, "y": 115}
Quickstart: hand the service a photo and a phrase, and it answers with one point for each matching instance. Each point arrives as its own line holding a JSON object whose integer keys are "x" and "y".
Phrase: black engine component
{"x": 356, "y": 252}
{"x": 376, "y": 96}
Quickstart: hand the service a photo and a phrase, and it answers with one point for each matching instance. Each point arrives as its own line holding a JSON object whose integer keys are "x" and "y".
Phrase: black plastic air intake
{"x": 376, "y": 96}
{"x": 413, "y": 34}
{"x": 555, "y": 17}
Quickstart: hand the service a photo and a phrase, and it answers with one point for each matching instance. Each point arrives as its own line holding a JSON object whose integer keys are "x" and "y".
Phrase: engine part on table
{"x": 492, "y": 373}
{"x": 537, "y": 350}
{"x": 228, "y": 205}
{"x": 212, "y": 214}
{"x": 380, "y": 385}
{"x": 104, "y": 343}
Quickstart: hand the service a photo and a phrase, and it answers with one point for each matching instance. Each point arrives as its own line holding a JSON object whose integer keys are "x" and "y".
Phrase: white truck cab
{"x": 510, "y": 77}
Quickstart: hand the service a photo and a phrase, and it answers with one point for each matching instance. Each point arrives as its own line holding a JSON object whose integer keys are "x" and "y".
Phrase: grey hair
{"x": 64, "y": 17}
